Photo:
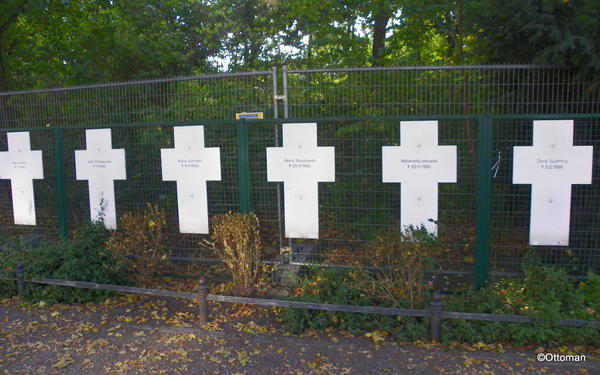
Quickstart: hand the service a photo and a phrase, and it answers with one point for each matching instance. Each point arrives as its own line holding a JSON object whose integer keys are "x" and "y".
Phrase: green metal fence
{"x": 511, "y": 203}
{"x": 441, "y": 90}
{"x": 210, "y": 97}
{"x": 483, "y": 217}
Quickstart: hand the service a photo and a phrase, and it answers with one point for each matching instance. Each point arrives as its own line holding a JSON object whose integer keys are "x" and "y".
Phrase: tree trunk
{"x": 3, "y": 78}
{"x": 4, "y": 112}
{"x": 379, "y": 28}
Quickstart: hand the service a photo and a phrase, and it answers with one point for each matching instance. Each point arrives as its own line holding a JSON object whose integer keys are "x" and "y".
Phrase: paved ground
{"x": 141, "y": 335}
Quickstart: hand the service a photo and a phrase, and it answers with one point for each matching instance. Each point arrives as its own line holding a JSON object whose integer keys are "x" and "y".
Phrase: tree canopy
{"x": 48, "y": 43}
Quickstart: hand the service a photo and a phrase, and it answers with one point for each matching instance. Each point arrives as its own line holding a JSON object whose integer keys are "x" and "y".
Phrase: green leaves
{"x": 81, "y": 258}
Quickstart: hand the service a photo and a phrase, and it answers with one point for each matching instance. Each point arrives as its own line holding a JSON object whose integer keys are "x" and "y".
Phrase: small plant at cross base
{"x": 401, "y": 259}
{"x": 140, "y": 244}
{"x": 235, "y": 238}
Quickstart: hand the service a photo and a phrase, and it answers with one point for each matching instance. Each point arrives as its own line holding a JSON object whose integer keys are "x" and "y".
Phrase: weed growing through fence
{"x": 235, "y": 238}
{"x": 139, "y": 245}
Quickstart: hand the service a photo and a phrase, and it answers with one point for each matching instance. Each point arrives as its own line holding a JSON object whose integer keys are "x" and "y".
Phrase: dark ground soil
{"x": 143, "y": 335}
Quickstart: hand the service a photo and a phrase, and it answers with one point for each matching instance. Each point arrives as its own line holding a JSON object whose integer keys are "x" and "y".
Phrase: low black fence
{"x": 435, "y": 312}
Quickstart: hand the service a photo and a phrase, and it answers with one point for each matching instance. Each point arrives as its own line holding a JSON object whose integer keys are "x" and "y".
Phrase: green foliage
{"x": 61, "y": 43}
{"x": 7, "y": 289}
{"x": 591, "y": 291}
{"x": 342, "y": 287}
{"x": 552, "y": 32}
{"x": 544, "y": 293}
{"x": 83, "y": 257}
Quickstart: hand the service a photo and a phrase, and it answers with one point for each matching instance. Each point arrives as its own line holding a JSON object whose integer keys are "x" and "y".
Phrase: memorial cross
{"x": 21, "y": 166}
{"x": 101, "y": 165}
{"x": 551, "y": 166}
{"x": 301, "y": 165}
{"x": 191, "y": 164}
{"x": 419, "y": 164}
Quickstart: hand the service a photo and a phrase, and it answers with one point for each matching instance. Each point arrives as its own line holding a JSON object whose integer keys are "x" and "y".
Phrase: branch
{"x": 13, "y": 18}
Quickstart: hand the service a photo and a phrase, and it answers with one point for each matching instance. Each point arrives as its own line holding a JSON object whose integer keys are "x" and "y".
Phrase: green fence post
{"x": 484, "y": 201}
{"x": 243, "y": 165}
{"x": 61, "y": 197}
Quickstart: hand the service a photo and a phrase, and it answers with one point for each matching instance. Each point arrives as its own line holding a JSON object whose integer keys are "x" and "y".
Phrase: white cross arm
{"x": 100, "y": 161}
{"x": 209, "y": 168}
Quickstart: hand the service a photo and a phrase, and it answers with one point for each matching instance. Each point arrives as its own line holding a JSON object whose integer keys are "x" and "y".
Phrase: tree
{"x": 555, "y": 32}
{"x": 10, "y": 11}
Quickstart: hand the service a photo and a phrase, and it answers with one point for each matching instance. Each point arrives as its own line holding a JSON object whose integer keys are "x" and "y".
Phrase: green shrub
{"x": 83, "y": 257}
{"x": 9, "y": 257}
{"x": 547, "y": 294}
{"x": 341, "y": 287}
{"x": 7, "y": 289}
{"x": 544, "y": 293}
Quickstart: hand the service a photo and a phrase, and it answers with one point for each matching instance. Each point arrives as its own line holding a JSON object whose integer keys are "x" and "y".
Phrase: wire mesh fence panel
{"x": 144, "y": 183}
{"x": 357, "y": 111}
{"x": 44, "y": 210}
{"x": 358, "y": 207}
{"x": 511, "y": 205}
{"x": 266, "y": 197}
{"x": 472, "y": 90}
{"x": 211, "y": 97}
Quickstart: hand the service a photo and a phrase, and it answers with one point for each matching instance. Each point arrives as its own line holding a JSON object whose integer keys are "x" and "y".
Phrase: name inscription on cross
{"x": 191, "y": 165}
{"x": 419, "y": 165}
{"x": 21, "y": 166}
{"x": 551, "y": 166}
{"x": 301, "y": 165}
{"x": 100, "y": 165}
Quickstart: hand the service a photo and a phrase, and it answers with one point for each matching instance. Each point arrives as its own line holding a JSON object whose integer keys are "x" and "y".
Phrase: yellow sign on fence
{"x": 249, "y": 116}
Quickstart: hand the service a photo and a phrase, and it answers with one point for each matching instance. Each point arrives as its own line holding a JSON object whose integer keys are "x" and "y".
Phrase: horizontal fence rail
{"x": 435, "y": 313}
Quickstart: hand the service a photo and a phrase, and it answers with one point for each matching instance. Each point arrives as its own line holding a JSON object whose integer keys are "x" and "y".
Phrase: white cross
{"x": 301, "y": 165}
{"x": 21, "y": 166}
{"x": 101, "y": 166}
{"x": 191, "y": 165}
{"x": 419, "y": 165}
{"x": 551, "y": 166}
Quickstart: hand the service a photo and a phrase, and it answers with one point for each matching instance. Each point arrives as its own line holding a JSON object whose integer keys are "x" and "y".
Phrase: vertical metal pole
{"x": 275, "y": 94}
{"x": 286, "y": 114}
{"x": 276, "y": 130}
{"x": 436, "y": 307}
{"x": 202, "y": 297}
{"x": 484, "y": 197}
{"x": 20, "y": 282}
{"x": 243, "y": 165}
{"x": 61, "y": 197}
